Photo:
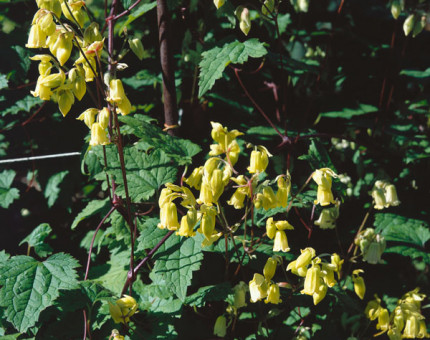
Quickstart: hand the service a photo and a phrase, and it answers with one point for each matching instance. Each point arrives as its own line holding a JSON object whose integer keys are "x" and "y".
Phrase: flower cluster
{"x": 384, "y": 195}
{"x": 267, "y": 199}
{"x": 261, "y": 286}
{"x": 371, "y": 244}
{"x": 123, "y": 309}
{"x": 406, "y": 317}
{"x": 48, "y": 31}
{"x": 318, "y": 275}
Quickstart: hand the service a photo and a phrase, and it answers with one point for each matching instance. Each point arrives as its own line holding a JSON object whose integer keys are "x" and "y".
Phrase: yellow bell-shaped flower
{"x": 258, "y": 288}
{"x": 88, "y": 116}
{"x": 273, "y": 294}
{"x": 195, "y": 179}
{"x": 281, "y": 242}
{"x": 123, "y": 309}
{"x": 98, "y": 135}
{"x": 187, "y": 224}
{"x": 359, "y": 286}
{"x": 239, "y": 295}
{"x": 319, "y": 294}
{"x": 312, "y": 280}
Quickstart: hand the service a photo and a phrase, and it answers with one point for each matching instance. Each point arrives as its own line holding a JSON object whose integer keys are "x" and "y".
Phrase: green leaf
{"x": 217, "y": 292}
{"x": 180, "y": 150}
{"x": 36, "y": 239}
{"x": 7, "y": 194}
{"x": 175, "y": 262}
{"x": 3, "y": 82}
{"x": 402, "y": 229}
{"x": 52, "y": 187}
{"x": 113, "y": 274}
{"x": 24, "y": 60}
{"x": 30, "y": 286}
{"x": 217, "y": 59}
{"x": 143, "y": 78}
{"x": 411, "y": 233}
{"x": 92, "y": 208}
{"x": 146, "y": 173}
{"x": 415, "y": 73}
{"x": 25, "y": 104}
{"x": 150, "y": 235}
{"x": 348, "y": 113}
{"x": 137, "y": 12}
{"x": 318, "y": 156}
{"x": 157, "y": 297}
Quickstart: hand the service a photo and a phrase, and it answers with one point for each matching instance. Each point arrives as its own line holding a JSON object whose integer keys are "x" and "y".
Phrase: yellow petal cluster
{"x": 123, "y": 309}
{"x": 384, "y": 195}
{"x": 323, "y": 178}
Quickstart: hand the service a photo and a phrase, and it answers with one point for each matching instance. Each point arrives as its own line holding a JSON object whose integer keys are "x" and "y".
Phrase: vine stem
{"x": 131, "y": 275}
{"x": 259, "y": 109}
{"x": 93, "y": 239}
{"x": 167, "y": 68}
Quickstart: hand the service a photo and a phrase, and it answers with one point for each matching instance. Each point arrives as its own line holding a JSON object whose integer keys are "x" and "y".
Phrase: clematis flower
{"x": 187, "y": 224}
{"x": 312, "y": 280}
{"x": 284, "y": 187}
{"x": 258, "y": 288}
{"x": 168, "y": 216}
{"x": 323, "y": 179}
{"x": 89, "y": 116}
{"x": 239, "y": 295}
{"x": 359, "y": 286}
{"x": 259, "y": 159}
{"x": 123, "y": 309}
{"x": 270, "y": 268}
{"x": 195, "y": 179}
{"x": 273, "y": 294}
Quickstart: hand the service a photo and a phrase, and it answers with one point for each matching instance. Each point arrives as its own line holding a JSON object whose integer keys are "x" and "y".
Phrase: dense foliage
{"x": 214, "y": 169}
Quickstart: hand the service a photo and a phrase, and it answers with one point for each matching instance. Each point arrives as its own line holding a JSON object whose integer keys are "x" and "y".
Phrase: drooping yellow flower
{"x": 323, "y": 179}
{"x": 88, "y": 116}
{"x": 270, "y": 268}
{"x": 359, "y": 286}
{"x": 273, "y": 294}
{"x": 226, "y": 142}
{"x": 187, "y": 224}
{"x": 312, "y": 280}
{"x": 258, "y": 288}
{"x": 259, "y": 160}
{"x": 319, "y": 294}
{"x": 72, "y": 10}
{"x": 284, "y": 187}
{"x": 118, "y": 97}
{"x": 281, "y": 242}
{"x": 239, "y": 295}
{"x": 168, "y": 216}
{"x": 195, "y": 179}
{"x": 123, "y": 309}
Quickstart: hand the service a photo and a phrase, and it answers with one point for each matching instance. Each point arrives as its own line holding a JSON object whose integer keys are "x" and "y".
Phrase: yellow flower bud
{"x": 270, "y": 268}
{"x": 88, "y": 116}
{"x": 273, "y": 294}
{"x": 319, "y": 294}
{"x": 137, "y": 47}
{"x": 270, "y": 228}
{"x": 312, "y": 280}
{"x": 242, "y": 14}
{"x": 259, "y": 162}
{"x": 337, "y": 262}
{"x": 116, "y": 91}
{"x": 36, "y": 37}
{"x": 65, "y": 101}
{"x": 123, "y": 309}
{"x": 409, "y": 24}
{"x": 281, "y": 242}
{"x": 284, "y": 186}
{"x": 220, "y": 328}
{"x": 210, "y": 165}
{"x": 98, "y": 135}
{"x": 195, "y": 179}
{"x": 187, "y": 223}
{"x": 359, "y": 286}
{"x": 269, "y": 198}
{"x": 77, "y": 79}
{"x": 305, "y": 258}
{"x": 239, "y": 295}
{"x": 208, "y": 222}
{"x": 206, "y": 196}
{"x": 50, "y": 5}
{"x": 73, "y": 10}
{"x": 216, "y": 184}
{"x": 45, "y": 21}
{"x": 258, "y": 288}
{"x": 92, "y": 34}
{"x": 62, "y": 47}
{"x": 219, "y": 3}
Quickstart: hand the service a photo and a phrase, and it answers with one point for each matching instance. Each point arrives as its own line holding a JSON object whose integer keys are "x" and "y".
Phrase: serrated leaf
{"x": 36, "y": 239}
{"x": 25, "y": 104}
{"x": 30, "y": 286}
{"x": 175, "y": 262}
{"x": 52, "y": 187}
{"x": 181, "y": 150}
{"x": 7, "y": 194}
{"x": 3, "y": 82}
{"x": 217, "y": 59}
{"x": 395, "y": 228}
{"x": 150, "y": 234}
{"x": 318, "y": 156}
{"x": 113, "y": 274}
{"x": 348, "y": 113}
{"x": 157, "y": 298}
{"x": 92, "y": 208}
{"x": 217, "y": 292}
{"x": 146, "y": 173}
{"x": 402, "y": 229}
{"x": 137, "y": 12}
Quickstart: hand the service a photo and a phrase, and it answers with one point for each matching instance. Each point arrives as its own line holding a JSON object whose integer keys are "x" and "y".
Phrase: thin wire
{"x": 25, "y": 159}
